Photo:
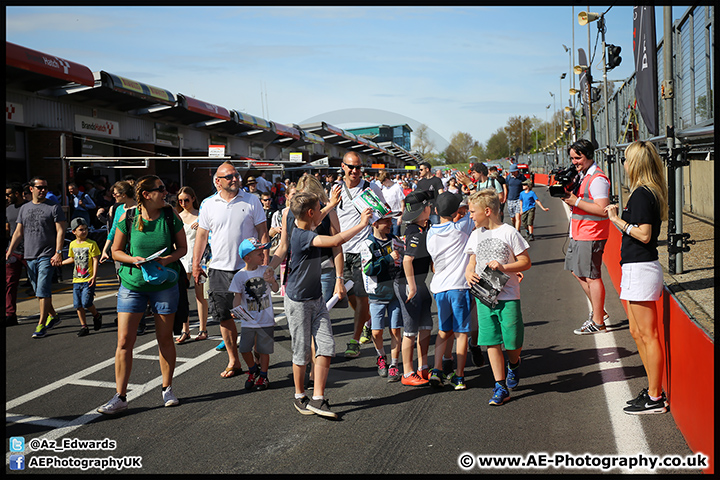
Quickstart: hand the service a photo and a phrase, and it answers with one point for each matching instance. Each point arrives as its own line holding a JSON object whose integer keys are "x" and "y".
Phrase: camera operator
{"x": 589, "y": 229}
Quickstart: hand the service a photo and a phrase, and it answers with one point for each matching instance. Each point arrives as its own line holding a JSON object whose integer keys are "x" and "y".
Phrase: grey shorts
{"x": 220, "y": 301}
{"x": 528, "y": 218}
{"x": 514, "y": 206}
{"x": 416, "y": 313}
{"x": 263, "y": 339}
{"x": 353, "y": 271}
{"x": 584, "y": 258}
{"x": 308, "y": 320}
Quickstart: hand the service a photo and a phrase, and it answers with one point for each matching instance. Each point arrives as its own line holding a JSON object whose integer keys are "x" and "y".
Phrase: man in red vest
{"x": 589, "y": 229}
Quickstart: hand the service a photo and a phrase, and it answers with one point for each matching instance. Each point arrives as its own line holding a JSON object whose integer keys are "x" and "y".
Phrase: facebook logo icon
{"x": 17, "y": 462}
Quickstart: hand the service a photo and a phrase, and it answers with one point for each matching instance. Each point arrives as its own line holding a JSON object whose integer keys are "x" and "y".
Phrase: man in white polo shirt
{"x": 231, "y": 215}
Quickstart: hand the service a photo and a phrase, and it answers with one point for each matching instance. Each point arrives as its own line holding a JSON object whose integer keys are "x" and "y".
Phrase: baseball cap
{"x": 76, "y": 222}
{"x": 527, "y": 182}
{"x": 513, "y": 168}
{"x": 415, "y": 203}
{"x": 249, "y": 245}
{"x": 155, "y": 274}
{"x": 447, "y": 203}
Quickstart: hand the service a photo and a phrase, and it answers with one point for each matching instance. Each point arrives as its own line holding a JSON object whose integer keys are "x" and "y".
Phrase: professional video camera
{"x": 564, "y": 182}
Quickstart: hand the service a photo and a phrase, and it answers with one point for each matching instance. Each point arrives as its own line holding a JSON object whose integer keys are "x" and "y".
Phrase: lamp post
{"x": 571, "y": 102}
{"x": 554, "y": 110}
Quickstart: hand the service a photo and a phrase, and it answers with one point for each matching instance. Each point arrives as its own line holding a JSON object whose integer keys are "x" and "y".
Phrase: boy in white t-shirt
{"x": 252, "y": 305}
{"x": 446, "y": 244}
{"x": 500, "y": 247}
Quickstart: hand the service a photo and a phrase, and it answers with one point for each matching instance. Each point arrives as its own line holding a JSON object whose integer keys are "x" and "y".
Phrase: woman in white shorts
{"x": 642, "y": 277}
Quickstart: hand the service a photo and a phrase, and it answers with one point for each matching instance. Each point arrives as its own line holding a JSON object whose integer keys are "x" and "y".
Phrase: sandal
{"x": 202, "y": 335}
{"x": 231, "y": 372}
{"x": 184, "y": 337}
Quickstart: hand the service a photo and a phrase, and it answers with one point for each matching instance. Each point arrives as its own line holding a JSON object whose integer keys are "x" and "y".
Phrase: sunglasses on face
{"x": 41, "y": 187}
{"x": 230, "y": 177}
{"x": 352, "y": 167}
{"x": 160, "y": 189}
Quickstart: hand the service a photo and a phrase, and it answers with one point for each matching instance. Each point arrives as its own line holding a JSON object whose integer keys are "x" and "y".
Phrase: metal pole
{"x": 611, "y": 166}
{"x": 675, "y": 200}
{"x": 63, "y": 169}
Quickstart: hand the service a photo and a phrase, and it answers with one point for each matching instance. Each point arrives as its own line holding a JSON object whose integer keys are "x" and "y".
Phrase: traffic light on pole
{"x": 614, "y": 57}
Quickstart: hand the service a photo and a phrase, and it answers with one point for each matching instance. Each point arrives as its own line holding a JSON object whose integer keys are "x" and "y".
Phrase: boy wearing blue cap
{"x": 252, "y": 305}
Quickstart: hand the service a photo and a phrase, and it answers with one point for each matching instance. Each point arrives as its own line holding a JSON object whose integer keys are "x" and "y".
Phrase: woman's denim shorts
{"x": 163, "y": 302}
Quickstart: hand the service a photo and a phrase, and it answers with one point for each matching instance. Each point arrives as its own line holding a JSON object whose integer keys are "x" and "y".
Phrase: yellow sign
{"x": 410, "y": 167}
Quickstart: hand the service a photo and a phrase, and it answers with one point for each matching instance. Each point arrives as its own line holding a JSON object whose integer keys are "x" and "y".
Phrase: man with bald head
{"x": 349, "y": 216}
{"x": 230, "y": 216}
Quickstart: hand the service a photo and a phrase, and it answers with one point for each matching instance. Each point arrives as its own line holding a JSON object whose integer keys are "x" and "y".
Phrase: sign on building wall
{"x": 296, "y": 157}
{"x": 216, "y": 150}
{"x": 97, "y": 126}
{"x": 14, "y": 112}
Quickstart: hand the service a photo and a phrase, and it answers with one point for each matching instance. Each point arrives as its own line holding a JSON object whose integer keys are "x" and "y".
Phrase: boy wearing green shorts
{"x": 500, "y": 247}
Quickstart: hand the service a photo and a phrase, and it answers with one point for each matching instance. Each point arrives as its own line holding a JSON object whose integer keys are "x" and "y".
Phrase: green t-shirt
{"x": 155, "y": 236}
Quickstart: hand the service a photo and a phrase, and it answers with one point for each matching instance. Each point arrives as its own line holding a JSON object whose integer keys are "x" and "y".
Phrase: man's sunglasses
{"x": 231, "y": 176}
{"x": 160, "y": 189}
{"x": 41, "y": 187}
{"x": 353, "y": 167}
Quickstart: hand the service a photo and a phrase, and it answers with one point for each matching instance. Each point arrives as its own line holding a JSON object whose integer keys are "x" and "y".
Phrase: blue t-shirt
{"x": 528, "y": 200}
{"x": 303, "y": 282}
{"x": 514, "y": 187}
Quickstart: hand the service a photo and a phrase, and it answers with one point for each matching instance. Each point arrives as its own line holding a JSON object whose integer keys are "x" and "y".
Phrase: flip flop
{"x": 202, "y": 335}
{"x": 232, "y": 372}
{"x": 184, "y": 337}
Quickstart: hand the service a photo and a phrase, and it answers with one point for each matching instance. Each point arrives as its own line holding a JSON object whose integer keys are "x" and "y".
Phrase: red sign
{"x": 50, "y": 65}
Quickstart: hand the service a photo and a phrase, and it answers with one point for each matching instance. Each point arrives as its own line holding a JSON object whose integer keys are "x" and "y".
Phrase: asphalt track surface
{"x": 564, "y": 417}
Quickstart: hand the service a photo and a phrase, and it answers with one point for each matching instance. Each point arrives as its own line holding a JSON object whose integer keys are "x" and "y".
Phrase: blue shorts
{"x": 40, "y": 273}
{"x": 453, "y": 311}
{"x": 164, "y": 302}
{"x": 380, "y": 320}
{"x": 83, "y": 295}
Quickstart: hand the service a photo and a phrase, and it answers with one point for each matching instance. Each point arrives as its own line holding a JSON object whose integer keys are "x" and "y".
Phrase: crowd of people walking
{"x": 232, "y": 245}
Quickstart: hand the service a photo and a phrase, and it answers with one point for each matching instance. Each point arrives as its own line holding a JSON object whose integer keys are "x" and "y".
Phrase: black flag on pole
{"x": 645, "y": 51}
{"x": 585, "y": 86}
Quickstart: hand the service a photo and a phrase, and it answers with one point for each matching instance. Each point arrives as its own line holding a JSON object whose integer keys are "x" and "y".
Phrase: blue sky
{"x": 452, "y": 68}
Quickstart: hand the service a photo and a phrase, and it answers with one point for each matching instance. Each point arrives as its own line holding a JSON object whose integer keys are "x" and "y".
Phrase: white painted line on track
{"x": 63, "y": 427}
{"x": 628, "y": 432}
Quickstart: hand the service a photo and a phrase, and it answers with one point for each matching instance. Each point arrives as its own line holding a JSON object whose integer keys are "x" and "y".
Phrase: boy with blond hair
{"x": 500, "y": 247}
{"x": 307, "y": 315}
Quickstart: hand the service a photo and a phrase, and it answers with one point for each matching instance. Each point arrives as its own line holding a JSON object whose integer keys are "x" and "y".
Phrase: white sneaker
{"x": 115, "y": 405}
{"x": 169, "y": 397}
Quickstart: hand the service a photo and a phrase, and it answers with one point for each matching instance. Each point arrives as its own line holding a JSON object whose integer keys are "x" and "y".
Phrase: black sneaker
{"x": 322, "y": 408}
{"x": 639, "y": 397}
{"x": 83, "y": 332}
{"x": 301, "y": 405}
{"x": 647, "y": 406}
{"x": 141, "y": 327}
{"x": 97, "y": 321}
{"x": 476, "y": 354}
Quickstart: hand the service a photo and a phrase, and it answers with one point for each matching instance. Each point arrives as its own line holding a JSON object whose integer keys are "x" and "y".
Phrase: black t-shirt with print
{"x": 416, "y": 246}
{"x": 641, "y": 208}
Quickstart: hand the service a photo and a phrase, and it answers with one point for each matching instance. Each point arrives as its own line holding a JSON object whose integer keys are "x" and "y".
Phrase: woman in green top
{"x": 149, "y": 233}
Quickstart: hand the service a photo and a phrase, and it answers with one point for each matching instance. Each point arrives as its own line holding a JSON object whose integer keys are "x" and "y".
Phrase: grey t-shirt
{"x": 39, "y": 233}
{"x": 11, "y": 215}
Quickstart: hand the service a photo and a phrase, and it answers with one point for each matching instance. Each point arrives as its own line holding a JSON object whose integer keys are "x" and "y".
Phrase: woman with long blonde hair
{"x": 642, "y": 276}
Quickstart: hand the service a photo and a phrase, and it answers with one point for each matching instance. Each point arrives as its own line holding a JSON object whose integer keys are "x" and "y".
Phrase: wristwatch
{"x": 58, "y": 251}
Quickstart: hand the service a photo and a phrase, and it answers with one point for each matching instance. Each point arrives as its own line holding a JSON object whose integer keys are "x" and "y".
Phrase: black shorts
{"x": 220, "y": 300}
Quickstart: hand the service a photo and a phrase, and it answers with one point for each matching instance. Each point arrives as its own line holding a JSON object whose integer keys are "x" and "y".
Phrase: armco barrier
{"x": 689, "y": 376}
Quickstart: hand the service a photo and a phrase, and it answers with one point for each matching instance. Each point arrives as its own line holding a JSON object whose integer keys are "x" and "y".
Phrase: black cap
{"x": 447, "y": 204}
{"x": 415, "y": 203}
